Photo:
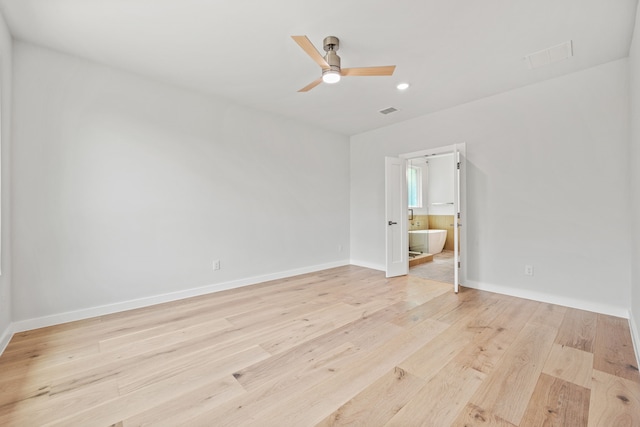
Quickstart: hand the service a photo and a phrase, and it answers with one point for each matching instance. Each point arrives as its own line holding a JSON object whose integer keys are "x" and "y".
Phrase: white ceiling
{"x": 451, "y": 51}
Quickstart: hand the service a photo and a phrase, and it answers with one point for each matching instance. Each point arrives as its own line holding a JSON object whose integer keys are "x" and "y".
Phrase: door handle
{"x": 392, "y": 223}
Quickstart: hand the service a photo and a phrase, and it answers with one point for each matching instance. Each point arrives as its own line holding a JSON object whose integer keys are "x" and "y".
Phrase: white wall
{"x": 125, "y": 188}
{"x": 5, "y": 212}
{"x": 547, "y": 185}
{"x": 634, "y": 165}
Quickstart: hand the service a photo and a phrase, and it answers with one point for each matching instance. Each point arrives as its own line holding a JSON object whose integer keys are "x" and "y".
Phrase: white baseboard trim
{"x": 635, "y": 336}
{"x": 370, "y": 265}
{"x": 6, "y": 337}
{"x": 56, "y": 319}
{"x": 549, "y": 298}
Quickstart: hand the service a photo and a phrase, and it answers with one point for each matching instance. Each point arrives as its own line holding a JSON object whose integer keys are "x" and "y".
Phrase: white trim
{"x": 635, "y": 336}
{"x": 6, "y": 337}
{"x": 365, "y": 264}
{"x": 70, "y": 316}
{"x": 549, "y": 298}
{"x": 447, "y": 149}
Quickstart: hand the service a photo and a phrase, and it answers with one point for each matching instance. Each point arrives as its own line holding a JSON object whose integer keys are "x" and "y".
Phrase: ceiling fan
{"x": 330, "y": 63}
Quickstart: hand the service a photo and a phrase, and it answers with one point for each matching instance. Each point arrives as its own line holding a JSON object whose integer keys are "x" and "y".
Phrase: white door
{"x": 457, "y": 164}
{"x": 395, "y": 221}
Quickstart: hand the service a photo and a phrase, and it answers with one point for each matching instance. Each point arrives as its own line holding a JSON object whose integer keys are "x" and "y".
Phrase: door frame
{"x": 464, "y": 218}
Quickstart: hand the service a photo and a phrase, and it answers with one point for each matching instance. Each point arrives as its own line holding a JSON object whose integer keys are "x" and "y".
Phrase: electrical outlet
{"x": 339, "y": 248}
{"x": 528, "y": 270}
{"x": 216, "y": 264}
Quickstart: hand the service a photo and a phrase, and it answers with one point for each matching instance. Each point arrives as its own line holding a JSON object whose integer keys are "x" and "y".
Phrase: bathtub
{"x": 427, "y": 241}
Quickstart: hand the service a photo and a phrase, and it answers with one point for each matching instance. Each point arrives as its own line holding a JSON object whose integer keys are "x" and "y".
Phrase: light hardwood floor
{"x": 339, "y": 347}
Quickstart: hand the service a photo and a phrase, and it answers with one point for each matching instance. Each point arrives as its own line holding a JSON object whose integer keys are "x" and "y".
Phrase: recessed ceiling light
{"x": 403, "y": 86}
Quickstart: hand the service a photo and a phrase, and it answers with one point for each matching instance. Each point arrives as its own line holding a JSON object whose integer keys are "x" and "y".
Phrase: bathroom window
{"x": 414, "y": 185}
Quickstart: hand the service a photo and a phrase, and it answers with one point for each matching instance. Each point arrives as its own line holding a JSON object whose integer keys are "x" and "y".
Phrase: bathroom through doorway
{"x": 435, "y": 210}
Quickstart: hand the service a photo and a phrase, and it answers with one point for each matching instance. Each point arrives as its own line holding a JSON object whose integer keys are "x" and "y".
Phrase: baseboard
{"x": 56, "y": 319}
{"x": 366, "y": 264}
{"x": 549, "y": 298}
{"x": 6, "y": 337}
{"x": 635, "y": 336}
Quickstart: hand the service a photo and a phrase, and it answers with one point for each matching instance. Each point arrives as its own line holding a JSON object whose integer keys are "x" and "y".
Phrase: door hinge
{"x": 458, "y": 165}
{"x": 458, "y": 264}
{"x": 458, "y": 215}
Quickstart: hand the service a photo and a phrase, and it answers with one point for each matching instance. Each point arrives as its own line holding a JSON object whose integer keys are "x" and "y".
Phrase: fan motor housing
{"x": 331, "y": 43}
{"x": 333, "y": 60}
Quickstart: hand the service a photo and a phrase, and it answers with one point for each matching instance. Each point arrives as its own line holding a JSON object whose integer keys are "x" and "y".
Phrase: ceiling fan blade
{"x": 307, "y": 46}
{"x": 311, "y": 85}
{"x": 369, "y": 71}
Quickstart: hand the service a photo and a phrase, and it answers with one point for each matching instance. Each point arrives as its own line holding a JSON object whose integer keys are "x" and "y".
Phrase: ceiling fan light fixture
{"x": 330, "y": 63}
{"x": 331, "y": 76}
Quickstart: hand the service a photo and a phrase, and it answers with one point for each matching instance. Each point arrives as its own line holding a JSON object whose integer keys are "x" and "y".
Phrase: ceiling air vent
{"x": 550, "y": 55}
{"x": 389, "y": 110}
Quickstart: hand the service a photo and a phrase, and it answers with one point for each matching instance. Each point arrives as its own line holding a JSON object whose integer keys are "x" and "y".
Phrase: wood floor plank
{"x": 38, "y": 411}
{"x": 26, "y": 388}
{"x": 147, "y": 354}
{"x": 613, "y": 350}
{"x": 557, "y": 403}
{"x": 174, "y": 331}
{"x": 507, "y": 390}
{"x": 44, "y": 357}
{"x": 363, "y": 336}
{"x": 375, "y": 405}
{"x": 496, "y": 332}
{"x": 343, "y": 346}
{"x": 272, "y": 392}
{"x": 570, "y": 364}
{"x": 615, "y": 401}
{"x": 220, "y": 362}
{"x": 188, "y": 405}
{"x": 428, "y": 360}
{"x": 317, "y": 402}
{"x": 578, "y": 329}
{"x": 308, "y": 327}
{"x": 549, "y": 315}
{"x": 469, "y": 301}
{"x": 332, "y": 369}
{"x": 474, "y": 416}
{"x": 444, "y": 303}
{"x": 165, "y": 388}
{"x": 440, "y": 401}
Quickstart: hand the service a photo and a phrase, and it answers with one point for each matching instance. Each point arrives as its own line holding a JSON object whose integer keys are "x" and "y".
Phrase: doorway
{"x": 432, "y": 216}
{"x": 434, "y": 240}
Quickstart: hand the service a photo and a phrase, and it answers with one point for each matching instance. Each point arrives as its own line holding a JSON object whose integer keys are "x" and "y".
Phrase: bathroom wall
{"x": 443, "y": 222}
{"x": 419, "y": 222}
